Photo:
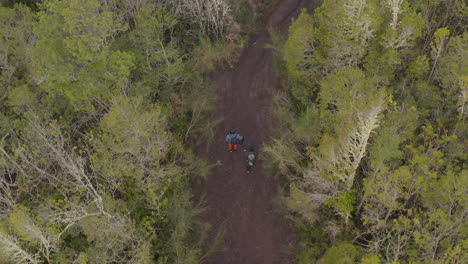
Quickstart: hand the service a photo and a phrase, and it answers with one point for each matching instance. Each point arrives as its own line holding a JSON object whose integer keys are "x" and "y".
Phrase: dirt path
{"x": 241, "y": 202}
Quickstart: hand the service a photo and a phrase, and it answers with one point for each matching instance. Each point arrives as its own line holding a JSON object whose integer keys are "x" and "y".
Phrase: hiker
{"x": 251, "y": 157}
{"x": 234, "y": 140}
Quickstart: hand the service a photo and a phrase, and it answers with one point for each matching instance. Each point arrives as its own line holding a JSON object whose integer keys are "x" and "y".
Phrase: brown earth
{"x": 240, "y": 203}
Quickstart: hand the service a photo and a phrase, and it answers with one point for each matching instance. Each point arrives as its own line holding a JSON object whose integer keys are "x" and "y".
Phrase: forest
{"x": 375, "y": 107}
{"x": 104, "y": 105}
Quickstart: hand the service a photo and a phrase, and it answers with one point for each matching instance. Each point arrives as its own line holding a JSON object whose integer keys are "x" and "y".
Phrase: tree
{"x": 452, "y": 72}
{"x": 158, "y": 56}
{"x": 126, "y": 9}
{"x": 95, "y": 95}
{"x": 398, "y": 126}
{"x": 302, "y": 56}
{"x": 344, "y": 31}
{"x": 8, "y": 197}
{"x": 50, "y": 164}
{"x": 438, "y": 46}
{"x": 438, "y": 14}
{"x": 213, "y": 16}
{"x": 72, "y": 56}
{"x": 135, "y": 148}
{"x": 38, "y": 236}
{"x": 353, "y": 115}
{"x": 447, "y": 211}
{"x": 388, "y": 186}
{"x": 389, "y": 124}
{"x": 83, "y": 200}
{"x": 337, "y": 36}
{"x": 373, "y": 259}
{"x": 116, "y": 240}
{"x": 406, "y": 26}
{"x": 386, "y": 193}
{"x": 16, "y": 41}
{"x": 390, "y": 208}
{"x": 350, "y": 111}
{"x": 342, "y": 253}
{"x": 12, "y": 252}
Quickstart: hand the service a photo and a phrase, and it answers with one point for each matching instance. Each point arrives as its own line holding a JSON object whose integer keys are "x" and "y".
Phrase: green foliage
{"x": 132, "y": 130}
{"x": 343, "y": 204}
{"x": 298, "y": 49}
{"x": 152, "y": 23}
{"x": 341, "y": 253}
{"x": 82, "y": 258}
{"x": 314, "y": 242}
{"x": 75, "y": 239}
{"x": 337, "y": 36}
{"x": 12, "y": 252}
{"x": 94, "y": 110}
{"x": 284, "y": 155}
{"x": 214, "y": 54}
{"x": 370, "y": 260}
{"x": 343, "y": 93}
{"x": 26, "y": 233}
{"x": 405, "y": 27}
{"x": 98, "y": 97}
{"x": 21, "y": 98}
{"x": 115, "y": 239}
{"x": 381, "y": 64}
{"x": 308, "y": 125}
{"x": 398, "y": 127}
{"x": 452, "y": 72}
{"x": 72, "y": 57}
{"x": 377, "y": 102}
{"x": 86, "y": 26}
{"x": 21, "y": 224}
{"x": 297, "y": 201}
{"x": 245, "y": 14}
{"x": 16, "y": 40}
{"x": 350, "y": 107}
{"x": 187, "y": 235}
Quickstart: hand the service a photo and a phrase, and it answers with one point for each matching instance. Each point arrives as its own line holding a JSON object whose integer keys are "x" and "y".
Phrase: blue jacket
{"x": 232, "y": 138}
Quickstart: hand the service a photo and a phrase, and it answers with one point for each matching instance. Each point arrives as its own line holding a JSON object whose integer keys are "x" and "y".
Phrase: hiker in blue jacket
{"x": 234, "y": 140}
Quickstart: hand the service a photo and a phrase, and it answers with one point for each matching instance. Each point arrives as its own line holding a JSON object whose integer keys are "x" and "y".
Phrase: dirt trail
{"x": 241, "y": 202}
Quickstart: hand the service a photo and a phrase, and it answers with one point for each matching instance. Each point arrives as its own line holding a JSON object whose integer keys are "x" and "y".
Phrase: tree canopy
{"x": 378, "y": 96}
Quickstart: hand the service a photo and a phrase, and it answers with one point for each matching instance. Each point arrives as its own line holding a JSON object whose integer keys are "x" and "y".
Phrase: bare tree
{"x": 8, "y": 196}
{"x": 30, "y": 231}
{"x": 438, "y": 47}
{"x": 212, "y": 15}
{"x": 11, "y": 251}
{"x": 406, "y": 25}
{"x": 462, "y": 101}
{"x": 49, "y": 162}
{"x": 42, "y": 156}
{"x": 343, "y": 154}
{"x": 116, "y": 240}
{"x": 395, "y": 6}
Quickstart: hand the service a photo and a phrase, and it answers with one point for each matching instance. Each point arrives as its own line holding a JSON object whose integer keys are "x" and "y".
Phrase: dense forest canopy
{"x": 375, "y": 109}
{"x": 101, "y": 100}
{"x": 97, "y": 100}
